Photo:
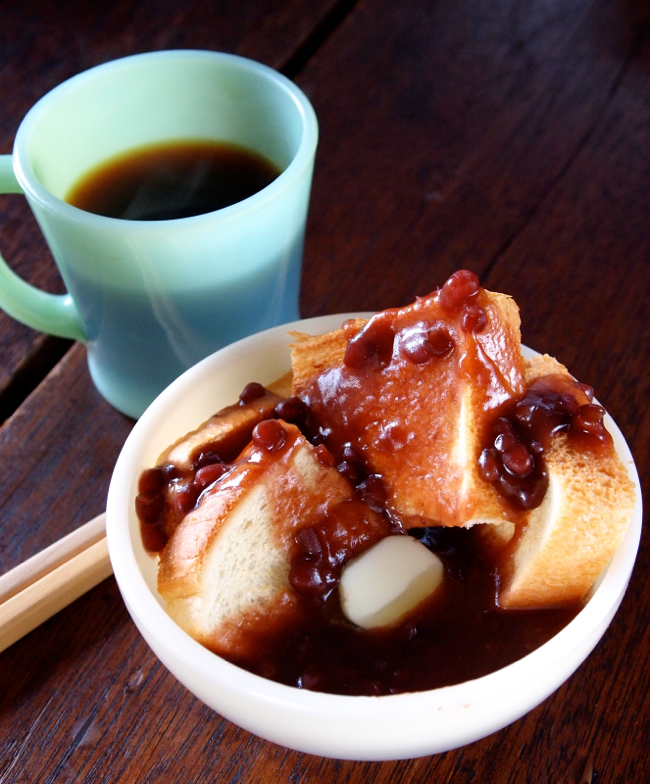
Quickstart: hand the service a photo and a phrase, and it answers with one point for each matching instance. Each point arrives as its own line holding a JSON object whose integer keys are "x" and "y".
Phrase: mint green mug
{"x": 152, "y": 298}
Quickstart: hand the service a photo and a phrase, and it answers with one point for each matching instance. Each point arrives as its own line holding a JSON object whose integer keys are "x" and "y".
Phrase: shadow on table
{"x": 50, "y": 653}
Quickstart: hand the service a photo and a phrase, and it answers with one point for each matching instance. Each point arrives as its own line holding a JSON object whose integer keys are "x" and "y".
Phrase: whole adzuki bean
{"x": 458, "y": 287}
{"x": 589, "y": 419}
{"x": 269, "y": 435}
{"x": 421, "y": 345}
{"x": 474, "y": 318}
{"x": 208, "y": 474}
{"x": 148, "y": 507}
{"x": 184, "y": 496}
{"x": 309, "y": 541}
{"x": 414, "y": 345}
{"x": 372, "y": 346}
{"x": 313, "y": 577}
{"x": 152, "y": 480}
{"x": 373, "y": 492}
{"x": 489, "y": 466}
{"x": 518, "y": 460}
{"x": 292, "y": 410}
{"x": 505, "y": 441}
{"x": 252, "y": 391}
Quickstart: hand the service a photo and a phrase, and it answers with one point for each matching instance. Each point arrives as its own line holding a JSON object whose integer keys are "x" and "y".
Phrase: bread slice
{"x": 225, "y": 571}
{"x": 221, "y": 438}
{"x": 564, "y": 544}
{"x": 228, "y": 431}
{"x": 417, "y": 423}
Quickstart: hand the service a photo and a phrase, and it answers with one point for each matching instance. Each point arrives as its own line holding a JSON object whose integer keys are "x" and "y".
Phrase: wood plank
{"x": 581, "y": 263}
{"x": 583, "y": 260}
{"x": 462, "y": 130}
{"x": 511, "y": 138}
{"x": 35, "y": 444}
{"x": 57, "y": 452}
{"x": 42, "y": 46}
{"x": 545, "y": 195}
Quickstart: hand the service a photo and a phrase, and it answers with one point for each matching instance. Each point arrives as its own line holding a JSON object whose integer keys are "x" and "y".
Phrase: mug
{"x": 152, "y": 298}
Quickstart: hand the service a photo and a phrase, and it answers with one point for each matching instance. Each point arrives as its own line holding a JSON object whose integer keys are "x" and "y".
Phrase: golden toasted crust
{"x": 226, "y": 433}
{"x": 437, "y": 409}
{"x": 313, "y": 355}
{"x": 228, "y": 430}
{"x": 496, "y": 536}
{"x": 542, "y": 365}
{"x": 282, "y": 386}
{"x": 225, "y": 569}
{"x": 567, "y": 541}
{"x": 180, "y": 566}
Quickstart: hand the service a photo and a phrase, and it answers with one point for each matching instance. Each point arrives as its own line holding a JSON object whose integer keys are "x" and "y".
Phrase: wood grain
{"x": 512, "y": 138}
{"x": 454, "y": 147}
{"x": 42, "y": 45}
{"x": 52, "y": 557}
{"x": 48, "y": 488}
{"x": 45, "y": 597}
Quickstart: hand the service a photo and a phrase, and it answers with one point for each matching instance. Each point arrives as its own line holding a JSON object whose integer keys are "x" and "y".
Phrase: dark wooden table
{"x": 512, "y": 138}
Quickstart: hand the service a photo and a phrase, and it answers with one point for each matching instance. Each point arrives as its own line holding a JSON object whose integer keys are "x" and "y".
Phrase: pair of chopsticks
{"x": 38, "y": 588}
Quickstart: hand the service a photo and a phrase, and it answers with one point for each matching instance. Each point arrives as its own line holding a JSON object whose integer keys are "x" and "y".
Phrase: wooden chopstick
{"x": 38, "y": 588}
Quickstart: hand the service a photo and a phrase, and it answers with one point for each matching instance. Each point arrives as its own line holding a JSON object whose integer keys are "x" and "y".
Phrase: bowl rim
{"x": 566, "y": 650}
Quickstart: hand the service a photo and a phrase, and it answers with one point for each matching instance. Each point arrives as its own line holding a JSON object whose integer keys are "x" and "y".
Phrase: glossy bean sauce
{"x": 390, "y": 410}
{"x": 461, "y": 633}
{"x": 170, "y": 490}
{"x": 516, "y": 442}
{"x": 458, "y": 635}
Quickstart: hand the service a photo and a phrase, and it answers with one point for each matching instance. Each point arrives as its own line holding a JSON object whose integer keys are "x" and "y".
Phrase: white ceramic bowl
{"x": 363, "y": 728}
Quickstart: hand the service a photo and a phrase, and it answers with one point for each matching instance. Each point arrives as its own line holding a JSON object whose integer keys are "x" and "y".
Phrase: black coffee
{"x": 173, "y": 180}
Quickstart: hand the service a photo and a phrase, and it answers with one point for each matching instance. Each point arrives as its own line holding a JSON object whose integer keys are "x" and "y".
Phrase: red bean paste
{"x": 513, "y": 460}
{"x": 460, "y": 633}
{"x": 394, "y": 402}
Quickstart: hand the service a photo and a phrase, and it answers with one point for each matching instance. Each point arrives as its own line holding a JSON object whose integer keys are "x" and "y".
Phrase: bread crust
{"x": 225, "y": 571}
{"x": 226, "y": 433}
{"x": 551, "y": 555}
{"x": 566, "y": 542}
{"x": 420, "y": 426}
{"x": 228, "y": 430}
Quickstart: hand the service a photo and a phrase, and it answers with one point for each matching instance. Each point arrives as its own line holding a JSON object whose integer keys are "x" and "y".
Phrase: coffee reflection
{"x": 172, "y": 180}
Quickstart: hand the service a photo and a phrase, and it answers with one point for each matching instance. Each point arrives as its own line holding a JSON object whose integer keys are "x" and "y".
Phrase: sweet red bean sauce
{"x": 168, "y": 492}
{"x": 458, "y": 635}
{"x": 516, "y": 441}
{"x": 397, "y": 365}
{"x": 325, "y": 546}
{"x": 461, "y": 633}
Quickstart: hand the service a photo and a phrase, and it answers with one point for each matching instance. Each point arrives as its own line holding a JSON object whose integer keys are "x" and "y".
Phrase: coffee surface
{"x": 172, "y": 180}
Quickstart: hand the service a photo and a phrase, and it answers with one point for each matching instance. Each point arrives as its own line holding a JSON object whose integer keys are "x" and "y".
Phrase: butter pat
{"x": 388, "y": 580}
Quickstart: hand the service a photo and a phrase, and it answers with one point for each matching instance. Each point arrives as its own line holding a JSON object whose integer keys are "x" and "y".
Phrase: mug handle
{"x": 55, "y": 314}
